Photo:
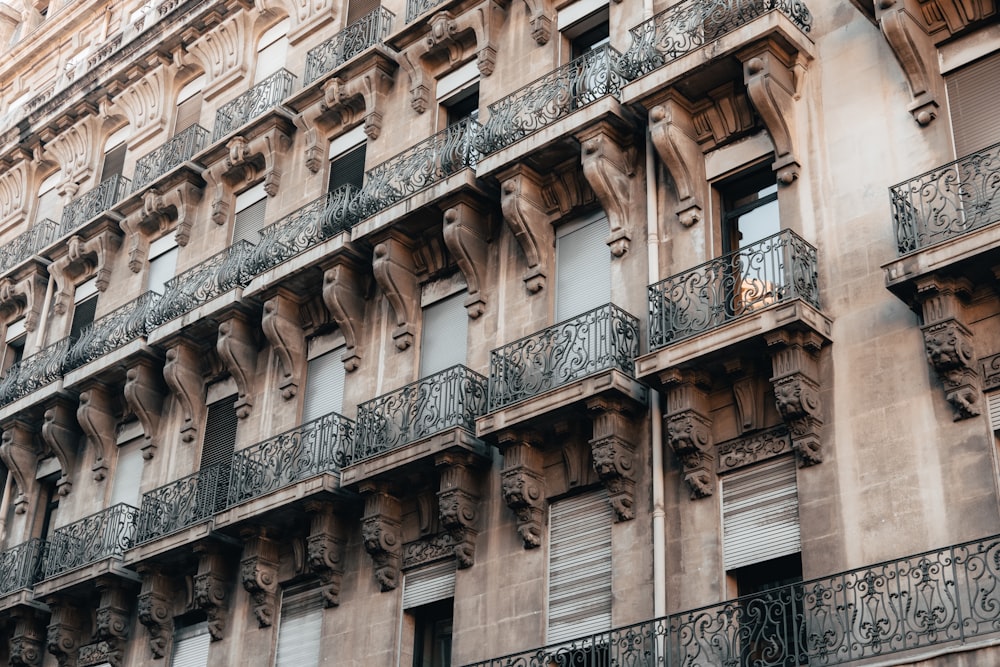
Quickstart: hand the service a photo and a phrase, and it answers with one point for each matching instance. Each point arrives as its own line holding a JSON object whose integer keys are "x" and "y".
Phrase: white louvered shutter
{"x": 300, "y": 628}
{"x": 191, "y": 646}
{"x": 271, "y": 52}
{"x": 579, "y": 567}
{"x": 49, "y": 202}
{"x": 973, "y": 92}
{"x": 249, "y": 219}
{"x": 444, "y": 336}
{"x": 162, "y": 262}
{"x": 993, "y": 407}
{"x": 128, "y": 474}
{"x": 324, "y": 385}
{"x": 429, "y": 584}
{"x": 583, "y": 268}
{"x": 760, "y": 513}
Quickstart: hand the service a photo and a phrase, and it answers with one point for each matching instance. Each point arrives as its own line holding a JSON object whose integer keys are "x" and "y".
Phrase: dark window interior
{"x": 432, "y": 642}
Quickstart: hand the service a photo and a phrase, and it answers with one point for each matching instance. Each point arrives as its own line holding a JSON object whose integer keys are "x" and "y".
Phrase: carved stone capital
{"x": 183, "y": 375}
{"x": 525, "y": 212}
{"x": 381, "y": 534}
{"x": 539, "y": 20}
{"x": 20, "y": 455}
{"x": 458, "y": 506}
{"x": 62, "y": 638}
{"x": 282, "y": 326}
{"x": 467, "y": 234}
{"x": 950, "y": 351}
{"x": 27, "y": 643}
{"x": 23, "y": 298}
{"x": 112, "y": 619}
{"x": 608, "y": 160}
{"x": 97, "y": 417}
{"x": 238, "y": 351}
{"x": 796, "y": 391}
{"x": 62, "y": 434}
{"x": 522, "y": 482}
{"x": 613, "y": 453}
{"x": 395, "y": 271}
{"x": 344, "y": 288}
{"x": 210, "y": 592}
{"x": 688, "y": 429}
{"x": 325, "y": 550}
{"x": 155, "y": 611}
{"x": 259, "y": 574}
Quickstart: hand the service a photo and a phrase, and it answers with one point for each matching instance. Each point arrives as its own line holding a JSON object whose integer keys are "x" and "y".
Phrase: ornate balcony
{"x": 606, "y": 338}
{"x": 215, "y": 276}
{"x": 420, "y": 166}
{"x": 182, "y": 503}
{"x": 692, "y": 24}
{"x": 775, "y": 270}
{"x": 364, "y": 33}
{"x": 450, "y": 399}
{"x": 21, "y": 566}
{"x": 26, "y": 244}
{"x": 34, "y": 372}
{"x": 179, "y": 149}
{"x": 252, "y": 104}
{"x": 112, "y": 331}
{"x": 106, "y": 534}
{"x": 550, "y": 98}
{"x": 943, "y": 598}
{"x": 306, "y": 227}
{"x": 311, "y": 449}
{"x": 415, "y": 8}
{"x": 93, "y": 203}
{"x": 948, "y": 201}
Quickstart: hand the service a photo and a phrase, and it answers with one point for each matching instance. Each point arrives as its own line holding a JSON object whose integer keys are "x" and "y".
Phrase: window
{"x": 188, "y": 111}
{"x": 750, "y": 210}
{"x": 588, "y": 38}
{"x": 114, "y": 154}
{"x": 271, "y": 51}
{"x": 465, "y": 105}
{"x": 972, "y": 94}
{"x": 49, "y": 201}
{"x": 128, "y": 474}
{"x": 428, "y": 606}
{"x": 15, "y": 338}
{"x": 300, "y": 627}
{"x": 162, "y": 262}
{"x": 347, "y": 159}
{"x": 84, "y": 308}
{"x": 458, "y": 93}
{"x": 191, "y": 644}
{"x": 444, "y": 334}
{"x": 251, "y": 208}
{"x": 220, "y": 443}
{"x": 358, "y": 9}
{"x": 583, "y": 267}
{"x": 325, "y": 376}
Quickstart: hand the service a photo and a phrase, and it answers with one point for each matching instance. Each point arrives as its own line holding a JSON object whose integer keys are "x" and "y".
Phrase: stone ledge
{"x": 162, "y": 545}
{"x": 902, "y": 271}
{"x": 21, "y": 598}
{"x": 303, "y": 261}
{"x": 196, "y": 316}
{"x": 325, "y": 483}
{"x": 384, "y": 464}
{"x": 116, "y": 357}
{"x": 111, "y": 565}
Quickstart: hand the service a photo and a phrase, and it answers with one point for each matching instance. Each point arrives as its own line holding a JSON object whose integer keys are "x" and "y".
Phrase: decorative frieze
{"x": 429, "y": 549}
{"x": 753, "y": 448}
{"x": 989, "y": 369}
{"x": 259, "y": 574}
{"x": 522, "y": 482}
{"x": 381, "y": 533}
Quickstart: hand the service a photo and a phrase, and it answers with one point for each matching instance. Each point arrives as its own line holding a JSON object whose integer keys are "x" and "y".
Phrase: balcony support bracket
{"x": 238, "y": 351}
{"x": 154, "y": 217}
{"x": 688, "y": 428}
{"x": 608, "y": 159}
{"x": 112, "y": 620}
{"x": 521, "y": 201}
{"x": 395, "y": 271}
{"x": 796, "y": 390}
{"x": 613, "y": 452}
{"x": 671, "y": 128}
{"x": 20, "y": 456}
{"x": 325, "y": 549}
{"x": 27, "y": 643}
{"x": 381, "y": 533}
{"x": 910, "y": 43}
{"x": 458, "y": 503}
{"x": 259, "y": 574}
{"x": 282, "y": 326}
{"x": 522, "y": 482}
{"x": 211, "y": 588}
{"x": 61, "y": 433}
{"x": 23, "y": 298}
{"x": 155, "y": 610}
{"x": 182, "y": 373}
{"x": 144, "y": 394}
{"x": 345, "y": 284}
{"x": 62, "y": 637}
{"x": 96, "y": 414}
{"x": 83, "y": 258}
{"x": 467, "y": 235}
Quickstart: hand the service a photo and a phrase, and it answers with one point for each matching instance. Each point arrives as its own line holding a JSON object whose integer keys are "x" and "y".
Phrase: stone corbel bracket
{"x": 20, "y": 455}
{"x": 23, "y": 298}
{"x": 237, "y": 349}
{"x": 96, "y": 414}
{"x": 210, "y": 589}
{"x": 61, "y": 433}
{"x": 748, "y": 395}
{"x": 673, "y": 133}
{"x": 522, "y": 482}
{"x": 259, "y": 574}
{"x": 154, "y": 217}
{"x": 613, "y": 452}
{"x": 155, "y": 610}
{"x": 246, "y": 161}
{"x": 458, "y": 503}
{"x": 82, "y": 258}
{"x": 540, "y": 18}
{"x": 524, "y": 209}
{"x": 795, "y": 367}
{"x": 467, "y": 232}
{"x": 345, "y": 284}
{"x": 381, "y": 533}
{"x": 325, "y": 549}
{"x": 282, "y": 326}
{"x": 182, "y": 372}
{"x": 27, "y": 643}
{"x": 365, "y": 93}
{"x": 144, "y": 393}
{"x": 608, "y": 159}
{"x": 687, "y": 426}
{"x": 773, "y": 77}
{"x": 62, "y": 637}
{"x": 916, "y": 54}
{"x": 395, "y": 272}
{"x": 112, "y": 620}
{"x": 949, "y": 342}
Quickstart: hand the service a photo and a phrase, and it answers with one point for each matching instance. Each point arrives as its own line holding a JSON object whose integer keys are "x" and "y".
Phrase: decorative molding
{"x": 83, "y": 258}
{"x": 458, "y": 504}
{"x": 155, "y": 611}
{"x": 144, "y": 393}
{"x": 673, "y": 133}
{"x": 608, "y": 159}
{"x": 154, "y": 216}
{"x": 614, "y": 453}
{"x": 307, "y": 16}
{"x": 989, "y": 368}
{"x": 61, "y": 433}
{"x": 688, "y": 428}
{"x": 238, "y": 351}
{"x": 395, "y": 272}
{"x": 362, "y": 94}
{"x": 522, "y": 203}
{"x": 145, "y": 104}
{"x": 96, "y": 415}
{"x": 259, "y": 574}
{"x": 522, "y": 482}
{"x": 222, "y": 52}
{"x": 794, "y": 360}
{"x": 915, "y": 54}
{"x": 953, "y": 16}
{"x": 182, "y": 372}
{"x": 14, "y": 184}
{"x": 77, "y": 149}
{"x": 381, "y": 532}
{"x": 345, "y": 285}
{"x": 467, "y": 235}
{"x": 26, "y": 647}
{"x": 112, "y": 620}
{"x": 325, "y": 549}
{"x": 754, "y": 448}
{"x": 429, "y": 549}
{"x": 210, "y": 591}
{"x": 540, "y": 19}
{"x": 246, "y": 161}
{"x": 282, "y": 326}
{"x": 20, "y": 455}
{"x": 23, "y": 298}
{"x": 62, "y": 638}
{"x": 748, "y": 395}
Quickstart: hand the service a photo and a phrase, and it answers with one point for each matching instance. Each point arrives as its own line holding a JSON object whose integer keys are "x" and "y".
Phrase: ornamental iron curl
{"x": 94, "y": 202}
{"x": 311, "y": 449}
{"x": 606, "y": 338}
{"x": 452, "y": 398}
{"x": 107, "y": 534}
{"x": 253, "y": 103}
{"x": 692, "y": 24}
{"x": 177, "y": 150}
{"x": 21, "y": 566}
{"x": 418, "y": 167}
{"x": 367, "y": 31}
{"x": 946, "y": 596}
{"x": 112, "y": 331}
{"x": 552, "y": 97}
{"x": 182, "y": 503}
{"x": 34, "y": 372}
{"x": 415, "y": 8}
{"x": 948, "y": 201}
{"x": 777, "y": 269}
{"x": 304, "y": 228}
{"x": 28, "y": 243}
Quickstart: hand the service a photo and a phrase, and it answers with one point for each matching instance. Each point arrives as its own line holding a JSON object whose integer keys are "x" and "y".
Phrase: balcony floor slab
{"x": 326, "y": 484}
{"x": 232, "y": 298}
{"x": 421, "y": 452}
{"x": 84, "y": 574}
{"x": 161, "y": 548}
{"x": 296, "y": 264}
{"x": 108, "y": 361}
{"x": 24, "y": 597}
{"x": 36, "y": 397}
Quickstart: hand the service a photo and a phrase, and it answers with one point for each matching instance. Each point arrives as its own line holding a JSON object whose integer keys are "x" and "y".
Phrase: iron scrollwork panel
{"x": 178, "y": 149}
{"x": 103, "y": 535}
{"x": 253, "y": 103}
{"x": 20, "y": 566}
{"x": 31, "y": 373}
{"x": 93, "y": 202}
{"x": 112, "y": 331}
{"x": 349, "y": 42}
{"x": 217, "y": 275}
{"x": 182, "y": 503}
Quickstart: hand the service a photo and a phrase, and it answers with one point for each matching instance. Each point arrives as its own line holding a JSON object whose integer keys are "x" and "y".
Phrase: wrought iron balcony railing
{"x": 252, "y": 104}
{"x": 217, "y": 275}
{"x": 302, "y": 229}
{"x": 92, "y": 203}
{"x": 948, "y": 201}
{"x": 182, "y": 503}
{"x": 112, "y": 331}
{"x": 34, "y": 372}
{"x": 107, "y": 534}
{"x": 602, "y": 339}
{"x": 177, "y": 150}
{"x": 21, "y": 566}
{"x": 415, "y": 8}
{"x": 349, "y": 42}
{"x": 777, "y": 269}
{"x": 26, "y": 244}
{"x": 315, "y": 447}
{"x": 552, "y": 97}
{"x": 418, "y": 167}
{"x": 692, "y": 24}
{"x": 947, "y": 596}
{"x": 452, "y": 398}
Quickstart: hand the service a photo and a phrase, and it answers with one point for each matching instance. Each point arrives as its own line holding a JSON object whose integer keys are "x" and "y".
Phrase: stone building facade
{"x": 489, "y": 332}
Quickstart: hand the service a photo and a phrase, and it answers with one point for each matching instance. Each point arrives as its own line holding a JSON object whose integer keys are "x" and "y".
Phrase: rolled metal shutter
{"x": 444, "y": 334}
{"x": 324, "y": 385}
{"x": 583, "y": 269}
{"x": 128, "y": 474}
{"x": 973, "y": 92}
{"x": 188, "y": 113}
{"x": 191, "y": 646}
{"x": 579, "y": 567}
{"x": 993, "y": 407}
{"x": 347, "y": 168}
{"x": 358, "y": 9}
{"x": 49, "y": 201}
{"x": 271, "y": 51}
{"x": 300, "y": 628}
{"x": 429, "y": 584}
{"x": 161, "y": 269}
{"x": 220, "y": 443}
{"x": 114, "y": 162}
{"x": 760, "y": 513}
{"x": 248, "y": 221}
